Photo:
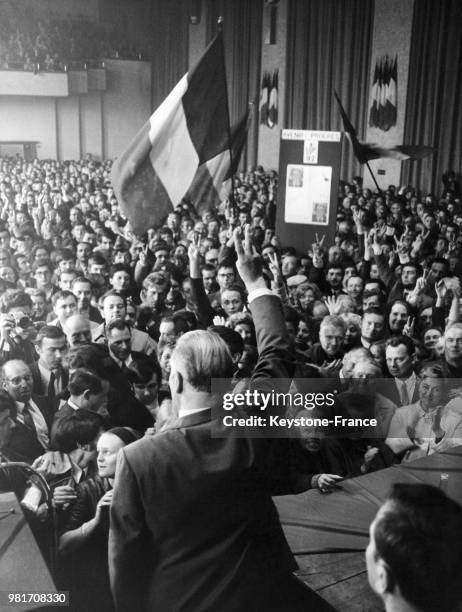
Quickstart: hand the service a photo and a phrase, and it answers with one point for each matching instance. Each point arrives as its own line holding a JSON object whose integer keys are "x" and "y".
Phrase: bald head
{"x": 17, "y": 380}
{"x": 77, "y": 330}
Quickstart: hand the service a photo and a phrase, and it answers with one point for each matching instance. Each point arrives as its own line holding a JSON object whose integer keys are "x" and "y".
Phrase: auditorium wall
{"x": 392, "y": 37}
{"x": 60, "y": 9}
{"x": 274, "y": 57}
{"x": 100, "y": 123}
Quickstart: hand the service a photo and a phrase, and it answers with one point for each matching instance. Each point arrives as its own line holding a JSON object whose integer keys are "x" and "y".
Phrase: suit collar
{"x": 196, "y": 418}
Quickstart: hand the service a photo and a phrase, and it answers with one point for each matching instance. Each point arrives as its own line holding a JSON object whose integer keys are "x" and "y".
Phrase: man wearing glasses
{"x": 32, "y": 415}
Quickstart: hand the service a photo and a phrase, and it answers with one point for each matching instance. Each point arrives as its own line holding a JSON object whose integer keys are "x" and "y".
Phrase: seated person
{"x": 429, "y": 425}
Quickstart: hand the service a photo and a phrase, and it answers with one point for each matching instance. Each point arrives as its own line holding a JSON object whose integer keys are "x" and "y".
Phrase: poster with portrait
{"x": 309, "y": 174}
{"x": 308, "y": 194}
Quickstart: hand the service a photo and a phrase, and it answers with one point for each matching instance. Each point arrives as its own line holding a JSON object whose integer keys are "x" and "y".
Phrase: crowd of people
{"x": 93, "y": 356}
{"x": 31, "y": 43}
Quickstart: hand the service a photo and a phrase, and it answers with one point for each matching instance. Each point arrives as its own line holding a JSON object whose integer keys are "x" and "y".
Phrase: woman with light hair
{"x": 352, "y": 330}
{"x": 306, "y": 295}
{"x": 242, "y": 323}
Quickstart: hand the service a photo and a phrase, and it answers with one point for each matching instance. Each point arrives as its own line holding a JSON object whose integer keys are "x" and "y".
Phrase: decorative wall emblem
{"x": 269, "y": 99}
{"x": 384, "y": 107}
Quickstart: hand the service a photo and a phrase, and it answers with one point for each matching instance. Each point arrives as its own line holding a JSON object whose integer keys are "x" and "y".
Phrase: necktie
{"x": 51, "y": 386}
{"x": 404, "y": 395}
{"x": 27, "y": 417}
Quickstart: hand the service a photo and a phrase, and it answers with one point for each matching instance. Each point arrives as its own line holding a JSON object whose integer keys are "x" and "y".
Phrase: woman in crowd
{"x": 83, "y": 543}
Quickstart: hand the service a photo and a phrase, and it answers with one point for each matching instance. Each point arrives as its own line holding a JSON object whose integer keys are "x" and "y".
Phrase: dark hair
{"x": 390, "y": 306}
{"x": 46, "y": 263}
{"x": 291, "y": 315}
{"x": 98, "y": 258}
{"x": 119, "y": 324}
{"x": 238, "y": 289}
{"x": 94, "y": 357}
{"x": 440, "y": 260}
{"x": 79, "y": 428}
{"x": 226, "y": 265}
{"x": 208, "y": 268}
{"x": 398, "y": 340}
{"x": 82, "y": 379}
{"x": 82, "y": 279}
{"x": 376, "y": 311}
{"x": 142, "y": 369}
{"x": 431, "y": 369}
{"x": 40, "y": 246}
{"x": 105, "y": 232}
{"x": 418, "y": 536}
{"x": 111, "y": 293}
{"x": 66, "y": 255}
{"x": 184, "y": 321}
{"x": 15, "y": 299}
{"x": 120, "y": 267}
{"x": 372, "y": 292}
{"x": 232, "y": 338}
{"x": 62, "y": 295}
{"x": 52, "y": 332}
{"x": 126, "y": 434}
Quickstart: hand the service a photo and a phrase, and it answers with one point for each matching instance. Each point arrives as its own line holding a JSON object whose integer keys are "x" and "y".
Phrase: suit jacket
{"x": 389, "y": 389}
{"x": 39, "y": 387}
{"x": 198, "y": 507}
{"x": 24, "y": 444}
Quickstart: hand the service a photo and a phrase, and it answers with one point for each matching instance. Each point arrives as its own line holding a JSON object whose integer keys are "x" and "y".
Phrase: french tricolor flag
{"x": 183, "y": 148}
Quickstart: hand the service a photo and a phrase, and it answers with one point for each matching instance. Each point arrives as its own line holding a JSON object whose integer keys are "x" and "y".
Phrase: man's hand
{"x": 408, "y": 329}
{"x": 275, "y": 268}
{"x": 7, "y": 325}
{"x": 63, "y": 495}
{"x": 327, "y": 482}
{"x": 376, "y": 245}
{"x": 195, "y": 256}
{"x": 317, "y": 251}
{"x": 333, "y": 305}
{"x": 441, "y": 291}
{"x": 248, "y": 261}
{"x": 330, "y": 369}
{"x": 143, "y": 256}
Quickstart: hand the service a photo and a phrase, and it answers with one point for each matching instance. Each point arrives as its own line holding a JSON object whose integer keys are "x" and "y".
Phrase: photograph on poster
{"x": 310, "y": 151}
{"x": 308, "y": 194}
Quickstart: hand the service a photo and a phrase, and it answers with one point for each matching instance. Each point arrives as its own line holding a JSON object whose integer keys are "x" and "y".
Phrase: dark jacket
{"x": 23, "y": 444}
{"x": 200, "y": 507}
{"x": 84, "y": 572}
{"x": 39, "y": 388}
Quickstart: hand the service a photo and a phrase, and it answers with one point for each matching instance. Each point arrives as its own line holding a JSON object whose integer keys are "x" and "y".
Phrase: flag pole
{"x": 373, "y": 177}
{"x": 220, "y": 22}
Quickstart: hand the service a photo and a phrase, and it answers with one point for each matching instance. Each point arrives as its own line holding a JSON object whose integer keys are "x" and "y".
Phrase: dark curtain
{"x": 434, "y": 97}
{"x": 329, "y": 46}
{"x": 169, "y": 56}
{"x": 242, "y": 22}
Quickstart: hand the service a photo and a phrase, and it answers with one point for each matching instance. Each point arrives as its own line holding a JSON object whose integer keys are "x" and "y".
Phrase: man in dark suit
{"x": 119, "y": 343}
{"x": 50, "y": 377}
{"x": 402, "y": 388}
{"x": 87, "y": 391}
{"x": 123, "y": 407}
{"x": 32, "y": 417}
{"x": 190, "y": 504}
